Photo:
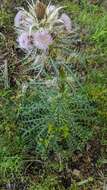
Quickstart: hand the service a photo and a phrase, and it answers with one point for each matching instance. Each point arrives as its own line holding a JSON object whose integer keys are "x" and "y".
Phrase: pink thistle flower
{"x": 26, "y": 41}
{"x": 51, "y": 8}
{"x": 67, "y": 21}
{"x": 42, "y": 39}
{"x": 22, "y": 20}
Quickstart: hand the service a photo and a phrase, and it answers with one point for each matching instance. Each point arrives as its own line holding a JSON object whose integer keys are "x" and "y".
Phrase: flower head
{"x": 40, "y": 9}
{"x": 50, "y": 9}
{"x": 26, "y": 41}
{"x": 22, "y": 20}
{"x": 42, "y": 39}
{"x": 34, "y": 27}
{"x": 66, "y": 21}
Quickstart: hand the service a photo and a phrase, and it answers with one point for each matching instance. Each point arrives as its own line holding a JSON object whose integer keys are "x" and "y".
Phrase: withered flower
{"x": 40, "y": 9}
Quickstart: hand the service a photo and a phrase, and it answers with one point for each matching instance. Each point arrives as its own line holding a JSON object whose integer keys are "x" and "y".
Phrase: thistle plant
{"x": 38, "y": 28}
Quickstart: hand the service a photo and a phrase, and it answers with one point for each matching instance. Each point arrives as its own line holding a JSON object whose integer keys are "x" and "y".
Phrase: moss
{"x": 5, "y": 18}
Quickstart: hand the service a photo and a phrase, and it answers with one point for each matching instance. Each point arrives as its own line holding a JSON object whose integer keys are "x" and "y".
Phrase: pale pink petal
{"x": 66, "y": 21}
{"x": 22, "y": 20}
{"x": 26, "y": 41}
{"x": 51, "y": 8}
{"x": 42, "y": 39}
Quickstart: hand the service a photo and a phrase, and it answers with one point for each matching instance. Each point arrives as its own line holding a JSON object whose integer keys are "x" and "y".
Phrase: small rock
{"x": 76, "y": 173}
